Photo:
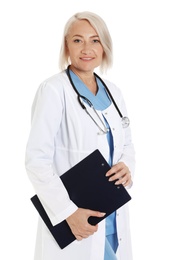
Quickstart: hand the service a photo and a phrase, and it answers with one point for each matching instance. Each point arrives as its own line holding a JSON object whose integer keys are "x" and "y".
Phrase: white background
{"x": 30, "y": 38}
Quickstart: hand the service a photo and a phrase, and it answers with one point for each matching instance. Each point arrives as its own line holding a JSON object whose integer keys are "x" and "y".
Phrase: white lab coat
{"x": 61, "y": 135}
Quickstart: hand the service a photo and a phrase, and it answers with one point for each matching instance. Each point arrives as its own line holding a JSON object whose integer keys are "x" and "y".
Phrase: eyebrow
{"x": 78, "y": 35}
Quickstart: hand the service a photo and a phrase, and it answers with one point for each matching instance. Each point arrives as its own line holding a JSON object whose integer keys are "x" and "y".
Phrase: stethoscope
{"x": 124, "y": 120}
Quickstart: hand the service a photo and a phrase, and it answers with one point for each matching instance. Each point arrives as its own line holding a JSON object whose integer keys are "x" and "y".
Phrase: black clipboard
{"x": 89, "y": 188}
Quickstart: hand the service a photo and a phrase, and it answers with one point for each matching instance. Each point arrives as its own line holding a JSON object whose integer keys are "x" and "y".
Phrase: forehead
{"x": 81, "y": 27}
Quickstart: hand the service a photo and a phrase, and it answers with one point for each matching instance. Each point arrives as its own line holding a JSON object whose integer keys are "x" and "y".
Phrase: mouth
{"x": 86, "y": 58}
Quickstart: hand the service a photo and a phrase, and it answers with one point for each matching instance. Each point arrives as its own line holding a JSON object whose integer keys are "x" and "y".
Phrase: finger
{"x": 111, "y": 172}
{"x": 125, "y": 180}
{"x": 96, "y": 213}
{"x": 114, "y": 170}
{"x": 128, "y": 180}
{"x": 118, "y": 175}
{"x": 79, "y": 238}
{"x": 84, "y": 233}
{"x": 87, "y": 234}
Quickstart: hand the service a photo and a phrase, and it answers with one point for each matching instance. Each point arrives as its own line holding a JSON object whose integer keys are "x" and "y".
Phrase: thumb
{"x": 96, "y": 213}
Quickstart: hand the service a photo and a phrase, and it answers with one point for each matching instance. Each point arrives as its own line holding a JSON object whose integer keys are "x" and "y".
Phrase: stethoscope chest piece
{"x": 125, "y": 121}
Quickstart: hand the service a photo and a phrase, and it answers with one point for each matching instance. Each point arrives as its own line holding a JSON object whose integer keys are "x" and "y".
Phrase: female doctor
{"x": 75, "y": 112}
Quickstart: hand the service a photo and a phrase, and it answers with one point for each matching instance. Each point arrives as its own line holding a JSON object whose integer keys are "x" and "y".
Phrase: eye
{"x": 96, "y": 40}
{"x": 77, "y": 40}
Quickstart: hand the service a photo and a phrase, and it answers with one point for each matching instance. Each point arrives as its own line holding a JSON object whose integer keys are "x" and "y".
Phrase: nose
{"x": 86, "y": 48}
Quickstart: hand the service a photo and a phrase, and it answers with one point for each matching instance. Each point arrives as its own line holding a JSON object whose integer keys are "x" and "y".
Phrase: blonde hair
{"x": 99, "y": 25}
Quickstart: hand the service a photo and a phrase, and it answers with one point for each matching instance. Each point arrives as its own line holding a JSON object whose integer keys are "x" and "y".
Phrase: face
{"x": 84, "y": 47}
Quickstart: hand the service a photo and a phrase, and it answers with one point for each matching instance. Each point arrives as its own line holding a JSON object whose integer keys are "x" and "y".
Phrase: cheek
{"x": 100, "y": 52}
{"x": 101, "y": 55}
{"x": 72, "y": 51}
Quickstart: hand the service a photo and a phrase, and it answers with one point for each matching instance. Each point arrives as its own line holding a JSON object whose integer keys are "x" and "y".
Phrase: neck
{"x": 88, "y": 78}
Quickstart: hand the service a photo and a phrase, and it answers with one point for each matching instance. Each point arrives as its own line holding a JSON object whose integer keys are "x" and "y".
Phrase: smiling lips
{"x": 86, "y": 58}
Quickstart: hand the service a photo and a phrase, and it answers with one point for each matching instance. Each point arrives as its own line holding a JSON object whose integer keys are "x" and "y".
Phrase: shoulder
{"x": 56, "y": 82}
{"x": 51, "y": 90}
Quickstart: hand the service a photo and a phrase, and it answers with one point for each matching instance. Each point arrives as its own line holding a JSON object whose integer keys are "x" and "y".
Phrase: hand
{"x": 120, "y": 174}
{"x": 78, "y": 223}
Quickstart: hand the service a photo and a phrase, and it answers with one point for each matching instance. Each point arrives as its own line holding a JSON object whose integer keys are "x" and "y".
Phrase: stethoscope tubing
{"x": 125, "y": 120}
{"x": 110, "y": 95}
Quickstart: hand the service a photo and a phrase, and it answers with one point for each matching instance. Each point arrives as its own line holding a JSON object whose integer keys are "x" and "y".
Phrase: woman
{"x": 62, "y": 134}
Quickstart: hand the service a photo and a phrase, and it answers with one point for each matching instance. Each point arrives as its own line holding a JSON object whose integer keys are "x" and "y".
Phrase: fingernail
{"x": 102, "y": 214}
{"x": 107, "y": 174}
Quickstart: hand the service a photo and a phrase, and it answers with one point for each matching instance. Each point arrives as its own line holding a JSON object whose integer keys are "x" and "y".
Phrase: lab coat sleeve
{"x": 46, "y": 117}
{"x": 128, "y": 154}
